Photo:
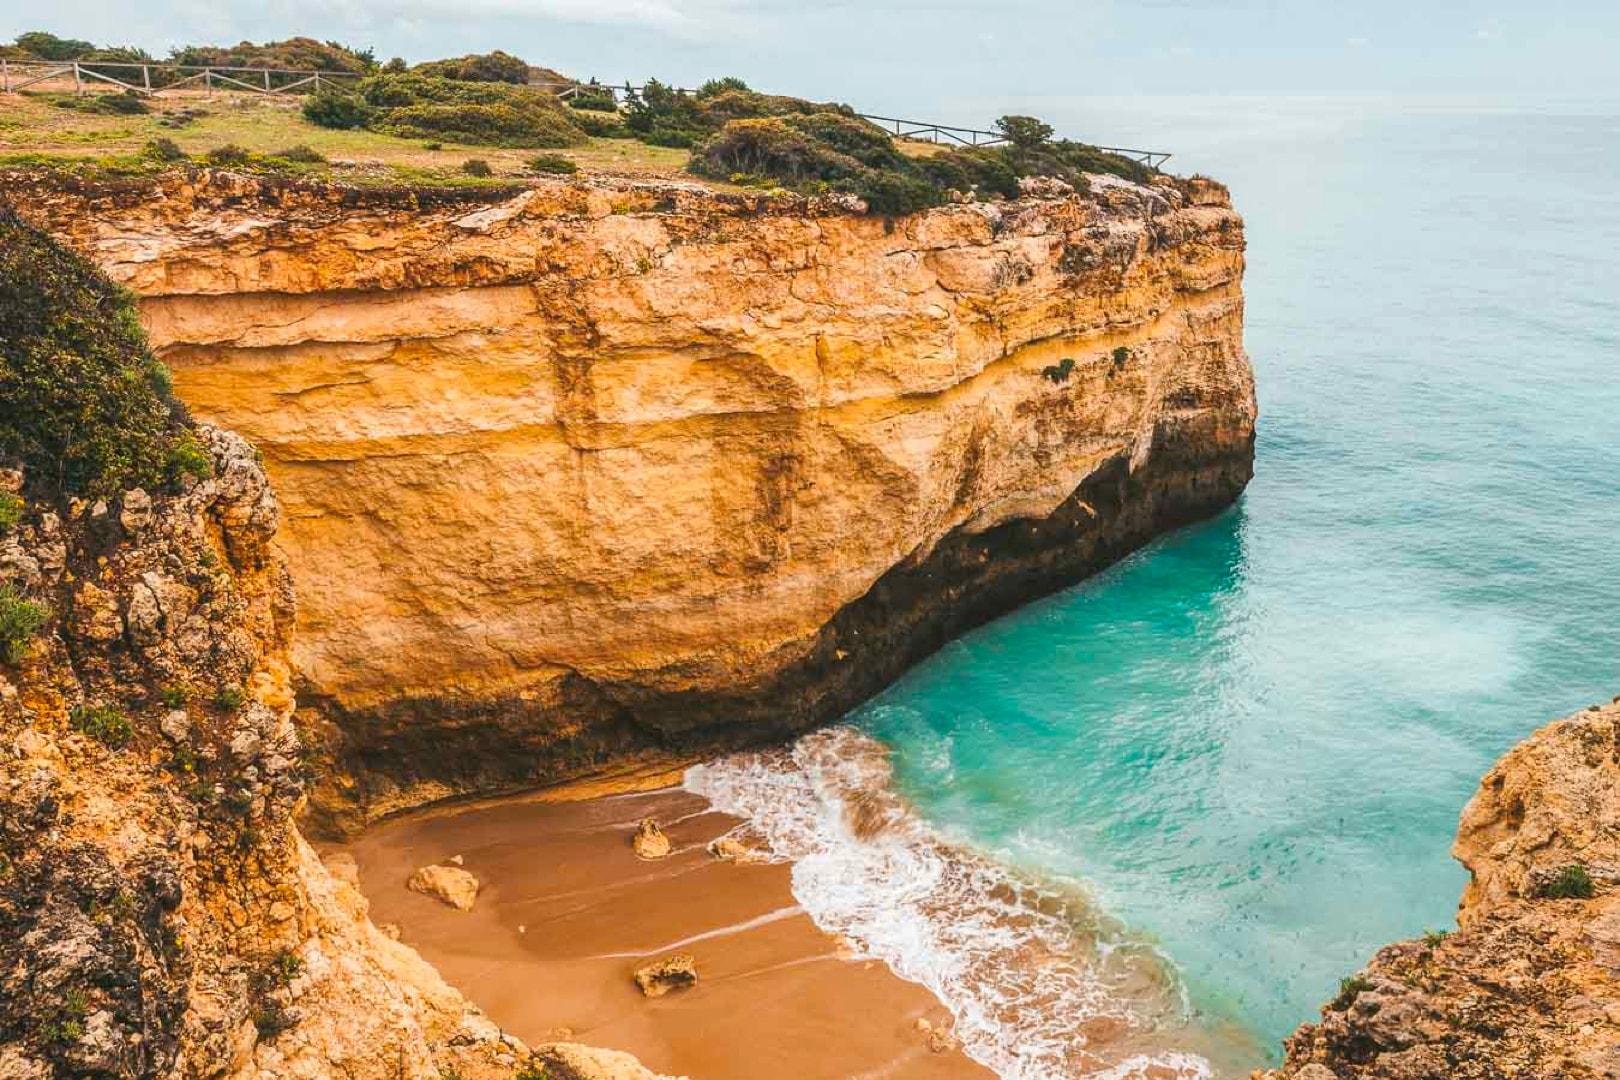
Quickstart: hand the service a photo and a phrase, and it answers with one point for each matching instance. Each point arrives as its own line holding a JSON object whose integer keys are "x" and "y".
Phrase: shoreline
{"x": 567, "y": 911}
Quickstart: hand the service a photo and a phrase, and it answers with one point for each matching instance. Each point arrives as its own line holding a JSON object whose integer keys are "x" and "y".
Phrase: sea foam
{"x": 1040, "y": 984}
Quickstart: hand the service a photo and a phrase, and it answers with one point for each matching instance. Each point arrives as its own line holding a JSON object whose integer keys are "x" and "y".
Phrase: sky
{"x": 951, "y": 59}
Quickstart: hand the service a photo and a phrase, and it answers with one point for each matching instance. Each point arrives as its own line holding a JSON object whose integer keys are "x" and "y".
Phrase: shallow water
{"x": 1251, "y": 742}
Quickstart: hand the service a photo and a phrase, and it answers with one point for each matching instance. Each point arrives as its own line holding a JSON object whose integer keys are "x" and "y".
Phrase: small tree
{"x": 1024, "y": 132}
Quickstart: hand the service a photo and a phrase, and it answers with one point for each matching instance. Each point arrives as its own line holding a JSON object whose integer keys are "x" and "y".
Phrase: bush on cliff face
{"x": 85, "y": 408}
{"x": 20, "y": 620}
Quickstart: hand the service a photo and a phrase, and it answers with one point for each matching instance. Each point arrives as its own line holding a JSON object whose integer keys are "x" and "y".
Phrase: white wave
{"x": 1040, "y": 985}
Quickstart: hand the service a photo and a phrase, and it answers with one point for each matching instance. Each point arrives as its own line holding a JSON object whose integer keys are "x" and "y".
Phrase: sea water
{"x": 1242, "y": 752}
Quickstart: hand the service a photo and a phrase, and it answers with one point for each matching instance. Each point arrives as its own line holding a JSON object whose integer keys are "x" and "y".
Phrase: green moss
{"x": 84, "y": 405}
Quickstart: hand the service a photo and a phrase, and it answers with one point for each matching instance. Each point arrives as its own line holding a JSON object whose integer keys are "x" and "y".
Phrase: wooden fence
{"x": 152, "y": 79}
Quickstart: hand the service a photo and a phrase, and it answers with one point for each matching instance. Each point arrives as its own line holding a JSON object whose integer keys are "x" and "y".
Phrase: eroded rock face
{"x": 160, "y": 916}
{"x": 604, "y": 468}
{"x": 1528, "y": 987}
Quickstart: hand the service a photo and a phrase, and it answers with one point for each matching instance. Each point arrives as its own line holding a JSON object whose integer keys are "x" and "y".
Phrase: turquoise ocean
{"x": 1246, "y": 747}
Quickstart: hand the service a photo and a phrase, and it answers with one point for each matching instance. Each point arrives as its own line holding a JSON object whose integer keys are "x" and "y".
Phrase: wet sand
{"x": 567, "y": 912}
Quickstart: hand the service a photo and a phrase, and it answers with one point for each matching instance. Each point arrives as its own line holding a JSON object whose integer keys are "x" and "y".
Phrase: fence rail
{"x": 155, "y": 79}
{"x": 15, "y": 75}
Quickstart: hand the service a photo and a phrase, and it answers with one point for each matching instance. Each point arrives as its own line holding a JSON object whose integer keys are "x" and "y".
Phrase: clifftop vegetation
{"x": 724, "y": 131}
{"x": 85, "y": 408}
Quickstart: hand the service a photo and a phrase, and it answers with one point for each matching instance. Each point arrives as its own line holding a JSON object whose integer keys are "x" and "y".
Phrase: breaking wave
{"x": 1042, "y": 986}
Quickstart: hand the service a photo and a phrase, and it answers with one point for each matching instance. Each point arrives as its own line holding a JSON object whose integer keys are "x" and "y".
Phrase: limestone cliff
{"x": 601, "y": 468}
{"x": 159, "y": 913}
{"x": 1528, "y": 986}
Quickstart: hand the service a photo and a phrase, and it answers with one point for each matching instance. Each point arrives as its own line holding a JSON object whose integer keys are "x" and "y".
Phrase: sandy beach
{"x": 567, "y": 911}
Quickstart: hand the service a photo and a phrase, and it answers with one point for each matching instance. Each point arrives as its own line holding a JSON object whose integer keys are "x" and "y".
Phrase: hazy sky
{"x": 947, "y": 53}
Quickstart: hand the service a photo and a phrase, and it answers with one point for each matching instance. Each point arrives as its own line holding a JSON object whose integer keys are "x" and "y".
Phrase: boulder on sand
{"x": 449, "y": 884}
{"x": 674, "y": 972}
{"x": 650, "y": 841}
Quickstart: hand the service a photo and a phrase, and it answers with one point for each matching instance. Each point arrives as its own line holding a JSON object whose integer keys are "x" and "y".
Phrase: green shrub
{"x": 299, "y": 54}
{"x": 477, "y": 167}
{"x": 771, "y": 147}
{"x": 593, "y": 98}
{"x": 720, "y": 86}
{"x": 1024, "y": 132}
{"x": 495, "y": 66}
{"x": 552, "y": 163}
{"x": 229, "y": 154}
{"x": 894, "y": 193}
{"x": 301, "y": 154}
{"x": 20, "y": 620}
{"x": 1572, "y": 882}
{"x": 602, "y": 125}
{"x": 1349, "y": 988}
{"x": 84, "y": 406}
{"x": 336, "y": 109}
{"x": 106, "y": 724}
{"x": 50, "y": 47}
{"x": 288, "y": 966}
{"x": 1059, "y": 372}
{"x": 11, "y": 511}
{"x": 188, "y": 458}
{"x": 490, "y": 114}
{"x": 164, "y": 150}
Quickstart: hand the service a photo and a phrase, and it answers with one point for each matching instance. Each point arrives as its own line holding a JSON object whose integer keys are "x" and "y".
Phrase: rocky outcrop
{"x": 448, "y": 884}
{"x": 601, "y": 469}
{"x": 1528, "y": 986}
{"x": 159, "y": 914}
{"x": 678, "y": 971}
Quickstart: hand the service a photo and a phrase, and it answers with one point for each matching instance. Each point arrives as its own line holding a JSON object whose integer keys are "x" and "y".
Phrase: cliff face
{"x": 599, "y": 469}
{"x": 1528, "y": 986}
{"x": 159, "y": 913}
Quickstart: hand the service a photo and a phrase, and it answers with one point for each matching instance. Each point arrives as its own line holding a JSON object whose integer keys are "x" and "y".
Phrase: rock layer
{"x": 1528, "y": 986}
{"x": 597, "y": 469}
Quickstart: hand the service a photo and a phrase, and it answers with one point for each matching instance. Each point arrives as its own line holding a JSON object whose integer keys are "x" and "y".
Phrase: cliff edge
{"x": 1528, "y": 986}
{"x": 603, "y": 469}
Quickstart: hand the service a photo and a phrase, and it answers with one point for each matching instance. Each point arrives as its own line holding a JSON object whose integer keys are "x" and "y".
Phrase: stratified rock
{"x": 1528, "y": 986}
{"x": 650, "y": 841}
{"x": 803, "y": 444}
{"x": 674, "y": 972}
{"x": 449, "y": 884}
